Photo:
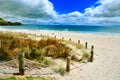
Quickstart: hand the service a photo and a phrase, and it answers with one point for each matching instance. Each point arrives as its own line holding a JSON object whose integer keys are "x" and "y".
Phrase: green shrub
{"x": 4, "y": 55}
{"x": 27, "y": 78}
{"x": 61, "y": 70}
{"x": 47, "y": 62}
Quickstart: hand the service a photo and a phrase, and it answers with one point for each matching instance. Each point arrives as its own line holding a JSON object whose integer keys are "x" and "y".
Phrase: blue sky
{"x": 72, "y": 12}
{"x": 67, "y": 6}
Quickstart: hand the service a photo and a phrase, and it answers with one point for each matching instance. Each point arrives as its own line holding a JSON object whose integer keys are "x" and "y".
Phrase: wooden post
{"x": 40, "y": 34}
{"x": 92, "y": 53}
{"x": 62, "y": 38}
{"x": 86, "y": 45}
{"x": 30, "y": 43}
{"x": 78, "y": 41}
{"x": 68, "y": 64}
{"x": 0, "y": 44}
{"x": 47, "y": 35}
{"x": 55, "y": 36}
{"x": 21, "y": 63}
{"x": 70, "y": 39}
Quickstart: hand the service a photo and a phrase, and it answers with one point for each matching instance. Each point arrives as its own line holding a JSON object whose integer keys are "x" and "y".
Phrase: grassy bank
{"x": 13, "y": 43}
{"x": 27, "y": 78}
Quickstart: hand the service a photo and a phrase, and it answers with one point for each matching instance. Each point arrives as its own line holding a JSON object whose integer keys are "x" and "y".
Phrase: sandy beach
{"x": 59, "y": 40}
{"x": 106, "y": 64}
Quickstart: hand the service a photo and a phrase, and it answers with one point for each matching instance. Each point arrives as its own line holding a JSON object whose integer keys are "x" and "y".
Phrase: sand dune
{"x": 106, "y": 65}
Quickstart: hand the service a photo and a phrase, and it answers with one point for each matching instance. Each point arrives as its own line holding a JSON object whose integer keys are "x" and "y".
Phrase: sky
{"x": 68, "y": 12}
{"x": 67, "y": 6}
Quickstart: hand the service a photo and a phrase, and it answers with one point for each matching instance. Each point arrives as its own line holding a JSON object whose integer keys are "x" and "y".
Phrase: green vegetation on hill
{"x": 4, "y": 22}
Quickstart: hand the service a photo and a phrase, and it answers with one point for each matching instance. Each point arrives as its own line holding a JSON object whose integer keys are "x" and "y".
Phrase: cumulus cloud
{"x": 107, "y": 11}
{"x": 106, "y": 8}
{"x": 70, "y": 18}
{"x": 28, "y": 8}
{"x": 42, "y": 12}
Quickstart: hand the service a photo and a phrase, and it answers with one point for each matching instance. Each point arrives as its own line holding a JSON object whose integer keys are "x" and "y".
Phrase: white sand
{"x": 106, "y": 65}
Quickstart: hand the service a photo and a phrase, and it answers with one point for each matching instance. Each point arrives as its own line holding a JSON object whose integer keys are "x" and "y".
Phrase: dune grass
{"x": 27, "y": 78}
{"x": 13, "y": 43}
{"x": 78, "y": 46}
{"x": 61, "y": 70}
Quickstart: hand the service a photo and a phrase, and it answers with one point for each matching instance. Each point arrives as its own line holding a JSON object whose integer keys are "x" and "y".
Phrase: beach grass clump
{"x": 47, "y": 62}
{"x": 13, "y": 43}
{"x": 85, "y": 57}
{"x": 53, "y": 48}
{"x": 78, "y": 46}
{"x": 33, "y": 49}
{"x": 74, "y": 58}
{"x": 27, "y": 78}
{"x": 61, "y": 70}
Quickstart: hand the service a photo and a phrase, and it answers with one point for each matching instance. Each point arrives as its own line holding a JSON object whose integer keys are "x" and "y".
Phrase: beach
{"x": 106, "y": 60}
{"x": 106, "y": 65}
{"x": 59, "y": 40}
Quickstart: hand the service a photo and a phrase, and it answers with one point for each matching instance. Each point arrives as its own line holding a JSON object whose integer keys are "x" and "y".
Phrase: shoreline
{"x": 57, "y": 31}
{"x": 63, "y": 31}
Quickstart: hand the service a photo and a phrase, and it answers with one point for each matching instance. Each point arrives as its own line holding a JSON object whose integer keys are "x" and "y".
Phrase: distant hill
{"x": 5, "y": 23}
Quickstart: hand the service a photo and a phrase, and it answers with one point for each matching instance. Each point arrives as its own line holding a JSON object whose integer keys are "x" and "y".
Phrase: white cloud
{"x": 107, "y": 8}
{"x": 75, "y": 14}
{"x": 42, "y": 12}
{"x": 28, "y": 8}
{"x": 106, "y": 12}
{"x": 70, "y": 18}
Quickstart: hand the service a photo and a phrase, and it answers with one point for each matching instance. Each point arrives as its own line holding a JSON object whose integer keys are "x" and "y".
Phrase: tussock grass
{"x": 78, "y": 46}
{"x": 85, "y": 57}
{"x": 48, "y": 62}
{"x": 27, "y": 78}
{"x": 61, "y": 71}
{"x": 12, "y": 44}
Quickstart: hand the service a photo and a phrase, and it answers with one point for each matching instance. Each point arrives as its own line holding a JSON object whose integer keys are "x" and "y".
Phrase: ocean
{"x": 68, "y": 28}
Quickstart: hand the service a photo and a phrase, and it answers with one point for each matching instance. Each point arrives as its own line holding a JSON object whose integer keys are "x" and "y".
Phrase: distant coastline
{"x": 8, "y": 23}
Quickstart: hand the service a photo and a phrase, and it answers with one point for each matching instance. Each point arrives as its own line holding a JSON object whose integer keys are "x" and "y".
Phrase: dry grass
{"x": 78, "y": 46}
{"x": 61, "y": 70}
{"x": 27, "y": 78}
{"x": 13, "y": 43}
{"x": 85, "y": 57}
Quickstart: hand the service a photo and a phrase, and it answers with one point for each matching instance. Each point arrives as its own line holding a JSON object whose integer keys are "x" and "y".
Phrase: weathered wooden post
{"x": 68, "y": 64}
{"x": 55, "y": 36}
{"x": 62, "y": 38}
{"x": 41, "y": 35}
{"x": 91, "y": 53}
{"x": 70, "y": 39}
{"x": 47, "y": 35}
{"x": 78, "y": 41}
{"x": 86, "y": 45}
{"x": 0, "y": 44}
{"x": 21, "y": 63}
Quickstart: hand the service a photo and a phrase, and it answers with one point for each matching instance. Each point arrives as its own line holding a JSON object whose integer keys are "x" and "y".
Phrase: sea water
{"x": 69, "y": 28}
